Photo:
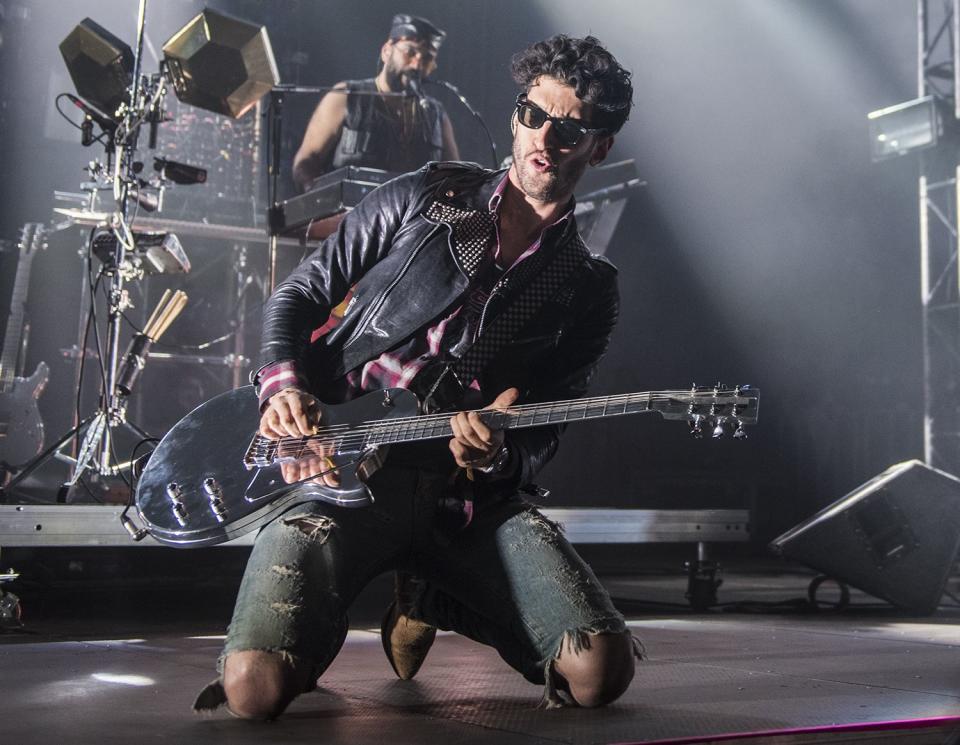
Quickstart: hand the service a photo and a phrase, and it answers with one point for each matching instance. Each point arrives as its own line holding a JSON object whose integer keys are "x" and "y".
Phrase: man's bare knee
{"x": 600, "y": 673}
{"x": 260, "y": 685}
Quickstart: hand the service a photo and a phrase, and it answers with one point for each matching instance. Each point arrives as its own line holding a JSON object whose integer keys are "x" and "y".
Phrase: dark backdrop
{"x": 765, "y": 249}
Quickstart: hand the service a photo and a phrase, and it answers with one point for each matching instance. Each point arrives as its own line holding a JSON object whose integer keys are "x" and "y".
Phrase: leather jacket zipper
{"x": 375, "y": 306}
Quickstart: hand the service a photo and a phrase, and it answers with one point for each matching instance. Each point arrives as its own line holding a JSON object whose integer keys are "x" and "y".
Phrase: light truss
{"x": 938, "y": 75}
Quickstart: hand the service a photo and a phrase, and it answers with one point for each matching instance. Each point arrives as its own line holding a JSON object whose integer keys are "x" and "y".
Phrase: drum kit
{"x": 219, "y": 68}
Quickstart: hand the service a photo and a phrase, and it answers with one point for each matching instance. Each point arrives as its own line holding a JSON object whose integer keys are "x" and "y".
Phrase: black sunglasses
{"x": 569, "y": 131}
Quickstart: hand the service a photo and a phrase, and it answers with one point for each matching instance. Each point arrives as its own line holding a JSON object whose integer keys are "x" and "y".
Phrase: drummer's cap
{"x": 406, "y": 26}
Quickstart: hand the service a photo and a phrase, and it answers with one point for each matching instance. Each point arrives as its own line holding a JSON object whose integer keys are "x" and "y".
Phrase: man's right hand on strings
{"x": 295, "y": 413}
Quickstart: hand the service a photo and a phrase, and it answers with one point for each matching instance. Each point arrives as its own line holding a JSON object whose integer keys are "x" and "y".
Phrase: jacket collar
{"x": 464, "y": 191}
{"x": 462, "y": 202}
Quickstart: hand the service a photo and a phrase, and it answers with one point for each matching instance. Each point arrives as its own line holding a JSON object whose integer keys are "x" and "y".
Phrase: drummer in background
{"x": 390, "y": 132}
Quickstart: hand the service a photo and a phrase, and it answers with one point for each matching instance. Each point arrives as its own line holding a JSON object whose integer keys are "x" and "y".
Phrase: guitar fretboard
{"x": 733, "y": 405}
{"x": 517, "y": 417}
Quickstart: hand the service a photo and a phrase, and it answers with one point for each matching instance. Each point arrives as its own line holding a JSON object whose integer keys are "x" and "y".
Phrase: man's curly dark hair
{"x": 588, "y": 68}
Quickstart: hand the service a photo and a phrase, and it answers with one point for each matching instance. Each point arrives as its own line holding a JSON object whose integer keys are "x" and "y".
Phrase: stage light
{"x": 897, "y": 130}
{"x": 221, "y": 64}
{"x": 100, "y": 65}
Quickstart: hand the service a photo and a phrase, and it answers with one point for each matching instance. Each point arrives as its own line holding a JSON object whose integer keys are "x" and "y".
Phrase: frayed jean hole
{"x": 286, "y": 570}
{"x": 318, "y": 527}
{"x": 547, "y": 530}
{"x": 284, "y": 609}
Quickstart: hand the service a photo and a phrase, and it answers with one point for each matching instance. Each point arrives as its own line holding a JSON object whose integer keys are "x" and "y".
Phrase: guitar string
{"x": 423, "y": 422}
{"x": 364, "y": 431}
{"x": 336, "y": 437}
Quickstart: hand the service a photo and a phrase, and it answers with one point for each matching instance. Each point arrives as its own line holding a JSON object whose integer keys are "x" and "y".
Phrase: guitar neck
{"x": 517, "y": 417}
{"x": 29, "y": 238}
{"x": 688, "y": 405}
{"x": 714, "y": 407}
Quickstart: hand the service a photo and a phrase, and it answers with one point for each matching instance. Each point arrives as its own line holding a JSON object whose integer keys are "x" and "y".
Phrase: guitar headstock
{"x": 717, "y": 408}
{"x": 33, "y": 238}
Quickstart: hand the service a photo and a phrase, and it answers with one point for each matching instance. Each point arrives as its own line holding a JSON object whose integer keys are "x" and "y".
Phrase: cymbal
{"x": 84, "y": 217}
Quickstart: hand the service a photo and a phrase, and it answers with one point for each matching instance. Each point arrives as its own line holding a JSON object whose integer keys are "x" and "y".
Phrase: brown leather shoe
{"x": 406, "y": 640}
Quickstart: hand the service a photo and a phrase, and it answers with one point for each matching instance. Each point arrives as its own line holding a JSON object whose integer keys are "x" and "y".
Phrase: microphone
{"x": 150, "y": 202}
{"x": 415, "y": 87}
{"x": 105, "y": 123}
{"x": 154, "y": 122}
{"x": 179, "y": 173}
{"x": 135, "y": 358}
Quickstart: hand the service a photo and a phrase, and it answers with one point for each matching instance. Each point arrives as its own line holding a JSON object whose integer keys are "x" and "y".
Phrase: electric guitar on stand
{"x": 21, "y": 429}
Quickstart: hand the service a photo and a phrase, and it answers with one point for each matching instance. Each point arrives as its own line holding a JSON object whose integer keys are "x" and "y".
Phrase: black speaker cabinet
{"x": 100, "y": 65}
{"x": 895, "y": 537}
{"x": 221, "y": 64}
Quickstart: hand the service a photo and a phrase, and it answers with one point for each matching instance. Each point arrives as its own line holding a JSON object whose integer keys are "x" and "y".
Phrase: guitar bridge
{"x": 261, "y": 452}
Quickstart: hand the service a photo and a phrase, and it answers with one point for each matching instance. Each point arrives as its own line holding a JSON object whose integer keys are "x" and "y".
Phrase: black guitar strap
{"x": 533, "y": 282}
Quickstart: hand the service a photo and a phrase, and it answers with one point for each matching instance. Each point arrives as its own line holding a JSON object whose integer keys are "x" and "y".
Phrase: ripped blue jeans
{"x": 509, "y": 579}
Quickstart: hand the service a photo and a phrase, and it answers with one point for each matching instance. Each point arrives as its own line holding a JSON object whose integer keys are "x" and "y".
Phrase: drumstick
{"x": 163, "y": 308}
{"x": 167, "y": 304}
{"x": 148, "y": 329}
{"x": 170, "y": 313}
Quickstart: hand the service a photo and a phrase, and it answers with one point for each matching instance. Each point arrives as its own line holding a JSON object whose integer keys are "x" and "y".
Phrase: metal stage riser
{"x": 99, "y": 525}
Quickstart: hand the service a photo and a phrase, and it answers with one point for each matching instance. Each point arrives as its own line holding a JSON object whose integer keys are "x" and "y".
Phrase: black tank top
{"x": 373, "y": 138}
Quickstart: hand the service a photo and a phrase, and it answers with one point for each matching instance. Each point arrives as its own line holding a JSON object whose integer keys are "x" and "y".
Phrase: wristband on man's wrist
{"x": 499, "y": 462}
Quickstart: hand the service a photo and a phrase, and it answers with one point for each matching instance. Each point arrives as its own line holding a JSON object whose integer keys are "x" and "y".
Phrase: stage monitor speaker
{"x": 895, "y": 537}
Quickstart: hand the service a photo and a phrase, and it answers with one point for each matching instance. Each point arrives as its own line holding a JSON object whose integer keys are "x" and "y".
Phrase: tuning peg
{"x": 718, "y": 430}
{"x": 696, "y": 426}
{"x": 739, "y": 433}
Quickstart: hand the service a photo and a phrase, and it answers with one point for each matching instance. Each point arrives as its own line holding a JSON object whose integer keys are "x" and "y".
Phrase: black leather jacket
{"x": 407, "y": 272}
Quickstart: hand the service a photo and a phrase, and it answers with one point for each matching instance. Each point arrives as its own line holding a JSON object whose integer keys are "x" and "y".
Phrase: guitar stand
{"x": 94, "y": 421}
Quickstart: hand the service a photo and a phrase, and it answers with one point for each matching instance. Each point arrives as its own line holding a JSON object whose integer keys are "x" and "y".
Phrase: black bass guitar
{"x": 211, "y": 479}
{"x": 21, "y": 429}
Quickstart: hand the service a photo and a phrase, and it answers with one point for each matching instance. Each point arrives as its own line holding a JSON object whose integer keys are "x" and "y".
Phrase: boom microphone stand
{"x": 96, "y": 450}
{"x": 473, "y": 112}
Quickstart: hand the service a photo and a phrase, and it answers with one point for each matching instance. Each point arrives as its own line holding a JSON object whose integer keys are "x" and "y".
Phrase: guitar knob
{"x": 180, "y": 512}
{"x": 739, "y": 433}
{"x": 176, "y": 498}
{"x": 215, "y": 495}
{"x": 718, "y": 430}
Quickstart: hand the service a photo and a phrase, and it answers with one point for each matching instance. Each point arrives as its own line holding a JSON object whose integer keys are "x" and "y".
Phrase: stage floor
{"x": 706, "y": 674}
